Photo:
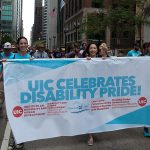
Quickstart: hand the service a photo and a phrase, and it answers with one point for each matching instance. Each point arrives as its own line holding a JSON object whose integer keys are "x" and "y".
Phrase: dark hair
{"x": 145, "y": 45}
{"x": 86, "y": 52}
{"x": 77, "y": 45}
{"x": 22, "y": 37}
{"x": 137, "y": 44}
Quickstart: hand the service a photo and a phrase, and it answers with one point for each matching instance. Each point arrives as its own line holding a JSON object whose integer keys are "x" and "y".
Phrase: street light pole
{"x": 76, "y": 32}
{"x": 54, "y": 37}
{"x": 50, "y": 43}
{"x": 76, "y": 25}
{"x": 65, "y": 32}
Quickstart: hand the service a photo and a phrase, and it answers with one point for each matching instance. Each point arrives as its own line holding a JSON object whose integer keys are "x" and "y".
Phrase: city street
{"x": 69, "y": 67}
{"x": 128, "y": 139}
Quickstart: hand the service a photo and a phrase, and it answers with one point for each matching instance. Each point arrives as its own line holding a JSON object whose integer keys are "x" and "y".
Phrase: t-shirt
{"x": 3, "y": 56}
{"x": 18, "y": 56}
{"x": 57, "y": 54}
{"x": 40, "y": 54}
{"x": 134, "y": 53}
{"x": 11, "y": 56}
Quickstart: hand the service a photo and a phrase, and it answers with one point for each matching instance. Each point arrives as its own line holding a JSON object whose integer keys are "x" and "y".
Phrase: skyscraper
{"x": 6, "y": 19}
{"x": 45, "y": 14}
{"x": 37, "y": 27}
{"x": 11, "y": 20}
{"x": 17, "y": 19}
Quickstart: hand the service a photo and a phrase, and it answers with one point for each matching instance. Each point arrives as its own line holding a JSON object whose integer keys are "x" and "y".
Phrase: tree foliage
{"x": 6, "y": 38}
{"x": 122, "y": 15}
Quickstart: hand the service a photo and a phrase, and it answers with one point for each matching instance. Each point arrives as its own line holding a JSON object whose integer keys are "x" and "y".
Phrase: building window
{"x": 126, "y": 34}
{"x": 66, "y": 11}
{"x": 6, "y": 7}
{"x": 97, "y": 3}
{"x": 69, "y": 8}
{"x": 75, "y": 36}
{"x": 71, "y": 37}
{"x": 6, "y": 12}
{"x": 6, "y": 17}
{"x": 79, "y": 35}
{"x": 72, "y": 5}
{"x": 80, "y": 4}
{"x": 76, "y": 7}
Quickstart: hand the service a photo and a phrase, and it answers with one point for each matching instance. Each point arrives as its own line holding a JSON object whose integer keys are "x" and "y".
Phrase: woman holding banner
{"x": 91, "y": 52}
{"x": 103, "y": 52}
{"x": 22, "y": 43}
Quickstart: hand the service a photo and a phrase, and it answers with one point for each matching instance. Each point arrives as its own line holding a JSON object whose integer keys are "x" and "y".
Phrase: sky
{"x": 28, "y": 17}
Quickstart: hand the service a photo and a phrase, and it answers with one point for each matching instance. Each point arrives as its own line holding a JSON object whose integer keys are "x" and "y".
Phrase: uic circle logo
{"x": 17, "y": 111}
{"x": 142, "y": 101}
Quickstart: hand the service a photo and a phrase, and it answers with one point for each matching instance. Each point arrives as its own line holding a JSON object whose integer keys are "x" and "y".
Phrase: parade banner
{"x": 67, "y": 97}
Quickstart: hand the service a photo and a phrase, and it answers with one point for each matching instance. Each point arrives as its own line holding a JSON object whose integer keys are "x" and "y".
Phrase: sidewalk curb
{"x": 5, "y": 141}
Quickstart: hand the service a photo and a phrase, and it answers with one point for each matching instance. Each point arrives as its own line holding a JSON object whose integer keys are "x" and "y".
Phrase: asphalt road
{"x": 128, "y": 139}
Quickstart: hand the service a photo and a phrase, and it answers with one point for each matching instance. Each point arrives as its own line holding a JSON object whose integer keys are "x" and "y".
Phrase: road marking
{"x": 6, "y": 137}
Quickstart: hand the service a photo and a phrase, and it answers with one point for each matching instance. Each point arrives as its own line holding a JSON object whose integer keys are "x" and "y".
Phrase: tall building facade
{"x": 10, "y": 20}
{"x": 52, "y": 24}
{"x": 6, "y": 19}
{"x": 50, "y": 16}
{"x": 37, "y": 27}
{"x": 17, "y": 19}
{"x": 45, "y": 16}
{"x": 76, "y": 13}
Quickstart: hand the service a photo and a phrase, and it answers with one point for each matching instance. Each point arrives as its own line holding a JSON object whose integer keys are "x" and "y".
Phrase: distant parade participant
{"x": 6, "y": 54}
{"x": 40, "y": 51}
{"x": 75, "y": 53}
{"x": 146, "y": 52}
{"x": 83, "y": 47}
{"x": 91, "y": 52}
{"x": 135, "y": 52}
{"x": 7, "y": 51}
{"x": 57, "y": 53}
{"x": 22, "y": 43}
{"x": 103, "y": 52}
{"x": 32, "y": 50}
{"x": 146, "y": 49}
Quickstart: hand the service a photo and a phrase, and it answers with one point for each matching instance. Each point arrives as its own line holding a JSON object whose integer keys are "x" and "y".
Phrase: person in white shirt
{"x": 40, "y": 53}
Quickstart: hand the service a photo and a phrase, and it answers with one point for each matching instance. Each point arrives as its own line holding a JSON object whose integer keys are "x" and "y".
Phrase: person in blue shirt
{"x": 135, "y": 52}
{"x": 22, "y": 43}
{"x": 7, "y": 51}
{"x": 6, "y": 54}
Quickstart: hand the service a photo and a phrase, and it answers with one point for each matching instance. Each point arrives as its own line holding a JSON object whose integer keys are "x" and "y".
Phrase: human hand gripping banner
{"x": 66, "y": 97}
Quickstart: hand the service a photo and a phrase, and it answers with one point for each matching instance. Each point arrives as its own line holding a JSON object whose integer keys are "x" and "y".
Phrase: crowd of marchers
{"x": 76, "y": 50}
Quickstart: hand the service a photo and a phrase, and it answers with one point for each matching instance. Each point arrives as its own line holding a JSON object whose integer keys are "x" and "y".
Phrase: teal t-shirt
{"x": 134, "y": 53}
{"x": 18, "y": 56}
{"x": 11, "y": 56}
{"x": 3, "y": 56}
